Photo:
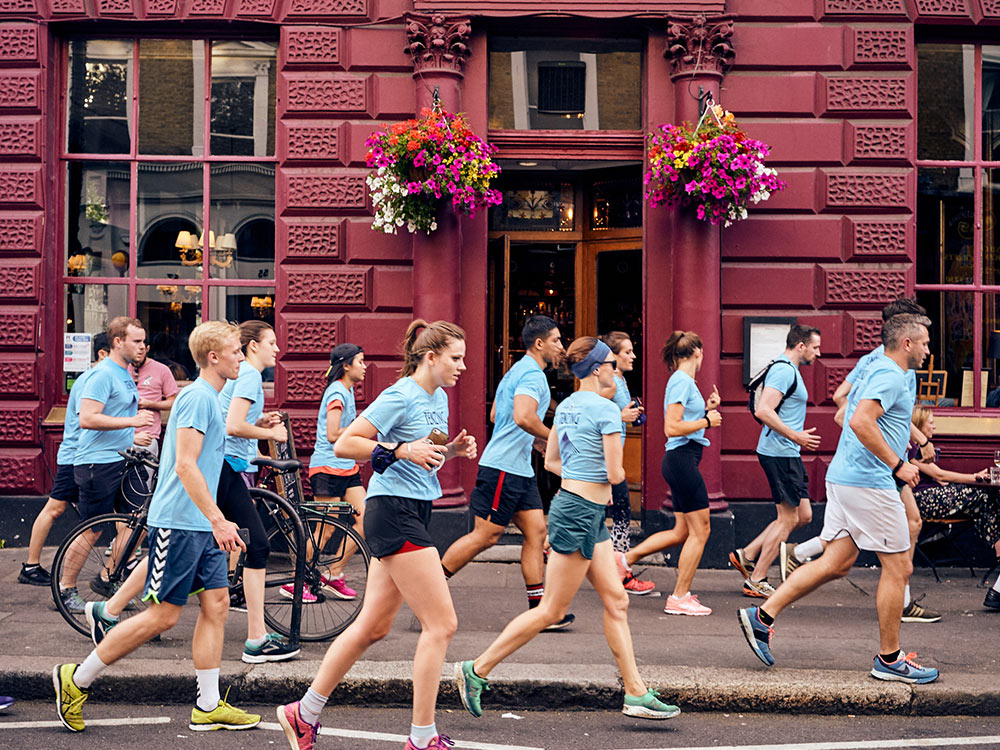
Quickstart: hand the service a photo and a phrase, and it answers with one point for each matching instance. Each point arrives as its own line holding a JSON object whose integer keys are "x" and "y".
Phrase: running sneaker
{"x": 274, "y": 648}
{"x": 904, "y": 669}
{"x": 915, "y": 612}
{"x": 338, "y": 587}
{"x": 758, "y": 634}
{"x": 470, "y": 687}
{"x": 6, "y": 702}
{"x": 992, "y": 600}
{"x": 787, "y": 561}
{"x": 686, "y": 605}
{"x": 308, "y": 597}
{"x": 222, "y": 716}
{"x": 103, "y": 588}
{"x": 71, "y": 600}
{"x": 69, "y": 698}
{"x": 636, "y": 587}
{"x": 739, "y": 560}
{"x": 441, "y": 742}
{"x": 34, "y": 575}
{"x": 563, "y": 623}
{"x": 624, "y": 570}
{"x": 758, "y": 589}
{"x": 648, "y": 706}
{"x": 301, "y": 735}
{"x": 99, "y": 622}
{"x": 237, "y": 602}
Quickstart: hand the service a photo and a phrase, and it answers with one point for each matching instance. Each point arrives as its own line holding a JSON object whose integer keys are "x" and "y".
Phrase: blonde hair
{"x": 422, "y": 337}
{"x": 920, "y": 416}
{"x": 210, "y": 337}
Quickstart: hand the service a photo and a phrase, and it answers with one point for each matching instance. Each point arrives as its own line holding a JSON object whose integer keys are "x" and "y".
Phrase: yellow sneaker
{"x": 69, "y": 698}
{"x": 222, "y": 716}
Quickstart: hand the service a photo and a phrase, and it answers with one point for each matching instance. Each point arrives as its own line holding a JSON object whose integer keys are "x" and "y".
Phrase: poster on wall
{"x": 763, "y": 340}
{"x": 76, "y": 351}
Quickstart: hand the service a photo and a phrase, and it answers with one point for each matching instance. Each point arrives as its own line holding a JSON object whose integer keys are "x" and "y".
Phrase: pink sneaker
{"x": 308, "y": 597}
{"x": 441, "y": 742}
{"x": 338, "y": 587}
{"x": 301, "y": 736}
{"x": 687, "y": 605}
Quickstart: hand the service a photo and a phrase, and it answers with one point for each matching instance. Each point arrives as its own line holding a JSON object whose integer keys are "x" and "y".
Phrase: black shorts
{"x": 233, "y": 499}
{"x": 392, "y": 522}
{"x": 64, "y": 487}
{"x": 98, "y": 485}
{"x": 687, "y": 486}
{"x": 333, "y": 485}
{"x": 786, "y": 475}
{"x": 498, "y": 495}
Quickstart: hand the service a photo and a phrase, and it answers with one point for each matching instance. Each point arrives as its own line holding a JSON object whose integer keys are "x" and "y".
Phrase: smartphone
{"x": 438, "y": 437}
{"x": 641, "y": 419}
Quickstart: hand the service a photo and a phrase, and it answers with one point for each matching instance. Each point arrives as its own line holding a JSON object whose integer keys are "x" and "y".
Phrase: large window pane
{"x": 945, "y": 101}
{"x": 945, "y": 225}
{"x": 991, "y": 103}
{"x": 991, "y": 232}
{"x": 242, "y": 216}
{"x": 89, "y": 307}
{"x": 952, "y": 338}
{"x": 170, "y": 220}
{"x": 171, "y": 96}
{"x": 241, "y": 303}
{"x": 97, "y": 200}
{"x": 244, "y": 86}
{"x": 169, "y": 312}
{"x": 991, "y": 346}
{"x": 99, "y": 97}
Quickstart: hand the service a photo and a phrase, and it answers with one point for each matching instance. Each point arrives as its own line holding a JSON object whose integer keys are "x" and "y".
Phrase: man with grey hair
{"x": 864, "y": 509}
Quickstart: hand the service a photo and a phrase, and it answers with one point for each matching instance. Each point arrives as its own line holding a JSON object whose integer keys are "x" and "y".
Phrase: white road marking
{"x": 993, "y": 739}
{"x": 385, "y": 737}
{"x": 90, "y": 723}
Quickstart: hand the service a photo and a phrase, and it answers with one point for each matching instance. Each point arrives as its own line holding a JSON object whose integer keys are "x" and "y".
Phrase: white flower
{"x": 434, "y": 226}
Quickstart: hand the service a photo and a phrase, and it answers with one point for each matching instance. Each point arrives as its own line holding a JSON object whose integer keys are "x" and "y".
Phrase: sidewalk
{"x": 824, "y": 648}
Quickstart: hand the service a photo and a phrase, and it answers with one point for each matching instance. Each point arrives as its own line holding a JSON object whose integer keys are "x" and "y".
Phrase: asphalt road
{"x": 523, "y": 730}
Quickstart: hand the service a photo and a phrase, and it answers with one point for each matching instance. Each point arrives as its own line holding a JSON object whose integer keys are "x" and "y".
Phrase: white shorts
{"x": 875, "y": 519}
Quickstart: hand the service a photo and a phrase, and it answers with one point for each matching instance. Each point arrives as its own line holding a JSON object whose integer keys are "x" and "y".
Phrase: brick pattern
{"x": 881, "y": 46}
{"x": 863, "y": 286}
{"x": 878, "y": 238}
{"x": 867, "y": 333}
{"x": 941, "y": 7}
{"x": 865, "y": 7}
{"x": 881, "y": 142}
{"x": 845, "y": 191}
{"x": 856, "y": 94}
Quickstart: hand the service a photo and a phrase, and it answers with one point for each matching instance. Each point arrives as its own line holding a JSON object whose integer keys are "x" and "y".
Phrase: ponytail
{"x": 680, "y": 345}
{"x": 422, "y": 337}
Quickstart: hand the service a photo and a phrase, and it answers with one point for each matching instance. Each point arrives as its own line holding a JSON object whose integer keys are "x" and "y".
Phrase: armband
{"x": 923, "y": 444}
{"x": 898, "y": 467}
{"x": 708, "y": 422}
{"x": 383, "y": 458}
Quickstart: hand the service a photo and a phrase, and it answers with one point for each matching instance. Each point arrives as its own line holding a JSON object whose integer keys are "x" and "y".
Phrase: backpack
{"x": 756, "y": 387}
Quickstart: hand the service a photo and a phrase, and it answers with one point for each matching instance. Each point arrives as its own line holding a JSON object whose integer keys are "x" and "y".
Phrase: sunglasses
{"x": 612, "y": 362}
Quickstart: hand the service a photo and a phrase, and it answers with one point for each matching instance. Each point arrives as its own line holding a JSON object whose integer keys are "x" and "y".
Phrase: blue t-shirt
{"x": 406, "y": 412}
{"x": 681, "y": 389}
{"x": 197, "y": 406}
{"x": 248, "y": 385}
{"x": 112, "y": 385}
{"x": 853, "y": 464}
{"x": 509, "y": 448}
{"x": 621, "y": 399}
{"x": 864, "y": 365}
{"x": 71, "y": 425}
{"x": 581, "y": 422}
{"x": 335, "y": 393}
{"x": 792, "y": 413}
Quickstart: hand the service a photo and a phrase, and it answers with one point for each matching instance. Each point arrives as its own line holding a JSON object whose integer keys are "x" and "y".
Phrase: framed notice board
{"x": 763, "y": 340}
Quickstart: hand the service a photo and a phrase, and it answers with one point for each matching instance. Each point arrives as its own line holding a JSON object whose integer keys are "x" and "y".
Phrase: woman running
{"x": 585, "y": 449}
{"x": 687, "y": 416}
{"x": 396, "y": 432}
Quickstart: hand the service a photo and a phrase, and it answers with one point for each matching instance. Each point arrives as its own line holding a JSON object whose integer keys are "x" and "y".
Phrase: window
{"x": 958, "y": 204}
{"x": 169, "y": 175}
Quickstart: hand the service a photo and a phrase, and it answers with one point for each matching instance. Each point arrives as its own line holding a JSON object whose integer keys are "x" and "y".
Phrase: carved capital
{"x": 699, "y": 44}
{"x": 438, "y": 42}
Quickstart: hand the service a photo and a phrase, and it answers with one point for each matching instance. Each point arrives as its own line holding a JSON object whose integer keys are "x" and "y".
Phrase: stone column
{"x": 701, "y": 51}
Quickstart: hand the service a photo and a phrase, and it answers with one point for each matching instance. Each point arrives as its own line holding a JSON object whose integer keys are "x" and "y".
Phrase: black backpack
{"x": 756, "y": 386}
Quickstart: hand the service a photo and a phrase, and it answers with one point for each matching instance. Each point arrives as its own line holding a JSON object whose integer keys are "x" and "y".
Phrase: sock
{"x": 682, "y": 596}
{"x": 422, "y": 736}
{"x": 208, "y": 689}
{"x": 311, "y": 706}
{"x": 535, "y": 591}
{"x": 765, "y": 617}
{"x": 809, "y": 548}
{"x": 256, "y": 641}
{"x": 890, "y": 658}
{"x": 87, "y": 672}
{"x": 906, "y": 596}
{"x": 106, "y": 614}
{"x": 996, "y": 585}
{"x": 28, "y": 567}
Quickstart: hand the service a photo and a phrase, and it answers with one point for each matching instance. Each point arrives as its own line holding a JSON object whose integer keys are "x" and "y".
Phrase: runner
{"x": 584, "y": 448}
{"x": 394, "y": 432}
{"x": 506, "y": 489}
{"x": 687, "y": 416}
{"x": 157, "y": 391}
{"x": 863, "y": 509}
{"x": 187, "y": 530}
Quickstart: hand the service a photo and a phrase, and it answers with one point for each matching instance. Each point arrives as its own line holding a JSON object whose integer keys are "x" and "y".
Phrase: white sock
{"x": 208, "y": 689}
{"x": 996, "y": 585}
{"x": 256, "y": 641}
{"x": 87, "y": 672}
{"x": 311, "y": 705}
{"x": 422, "y": 736}
{"x": 809, "y": 548}
{"x": 906, "y": 596}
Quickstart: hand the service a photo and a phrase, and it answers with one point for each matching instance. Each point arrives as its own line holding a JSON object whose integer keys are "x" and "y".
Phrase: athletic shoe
{"x": 338, "y": 587}
{"x": 237, "y": 603}
{"x": 69, "y": 698}
{"x": 222, "y": 716}
{"x": 6, "y": 702}
{"x": 470, "y": 687}
{"x": 759, "y": 589}
{"x": 34, "y": 575}
{"x": 992, "y": 600}
{"x": 914, "y": 612}
{"x": 103, "y": 588}
{"x": 71, "y": 600}
{"x": 648, "y": 706}
{"x": 636, "y": 587}
{"x": 686, "y": 605}
{"x": 274, "y": 648}
{"x": 624, "y": 571}
{"x": 99, "y": 623}
{"x": 758, "y": 634}
{"x": 787, "y": 561}
{"x": 742, "y": 563}
{"x": 308, "y": 597}
{"x": 563, "y": 623}
{"x": 301, "y": 736}
{"x": 904, "y": 669}
{"x": 441, "y": 742}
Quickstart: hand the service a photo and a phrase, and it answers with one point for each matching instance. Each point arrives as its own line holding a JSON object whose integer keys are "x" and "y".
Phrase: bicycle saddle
{"x": 290, "y": 464}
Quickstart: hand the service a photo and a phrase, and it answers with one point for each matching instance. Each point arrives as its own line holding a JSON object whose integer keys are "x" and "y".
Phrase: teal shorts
{"x": 575, "y": 523}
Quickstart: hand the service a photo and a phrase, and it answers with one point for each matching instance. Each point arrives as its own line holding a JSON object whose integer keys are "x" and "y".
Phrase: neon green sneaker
{"x": 648, "y": 706}
{"x": 470, "y": 687}
{"x": 69, "y": 698}
{"x": 222, "y": 716}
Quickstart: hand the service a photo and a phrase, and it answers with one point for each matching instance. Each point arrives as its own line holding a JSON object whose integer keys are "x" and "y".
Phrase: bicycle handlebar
{"x": 136, "y": 456}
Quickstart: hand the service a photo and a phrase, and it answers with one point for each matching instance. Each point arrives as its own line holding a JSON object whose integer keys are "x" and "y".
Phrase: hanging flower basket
{"x": 714, "y": 167}
{"x": 421, "y": 164}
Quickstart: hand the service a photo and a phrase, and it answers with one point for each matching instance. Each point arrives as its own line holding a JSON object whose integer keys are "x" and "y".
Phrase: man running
{"x": 863, "y": 509}
{"x": 186, "y": 532}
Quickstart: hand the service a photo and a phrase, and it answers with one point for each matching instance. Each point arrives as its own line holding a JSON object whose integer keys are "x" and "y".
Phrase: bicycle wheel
{"x": 86, "y": 551}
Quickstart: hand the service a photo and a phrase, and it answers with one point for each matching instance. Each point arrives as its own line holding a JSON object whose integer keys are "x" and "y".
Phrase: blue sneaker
{"x": 99, "y": 622}
{"x": 904, "y": 669}
{"x": 758, "y": 634}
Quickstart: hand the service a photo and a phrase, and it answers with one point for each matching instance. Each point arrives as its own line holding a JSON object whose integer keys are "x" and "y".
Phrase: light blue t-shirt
{"x": 853, "y": 464}
{"x": 581, "y": 422}
{"x": 406, "y": 412}
{"x": 71, "y": 425}
{"x": 112, "y": 385}
{"x": 509, "y": 448}
{"x": 197, "y": 406}
{"x": 681, "y": 389}
{"x": 792, "y": 413}
{"x": 248, "y": 385}
{"x": 864, "y": 364}
{"x": 621, "y": 399}
{"x": 335, "y": 393}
